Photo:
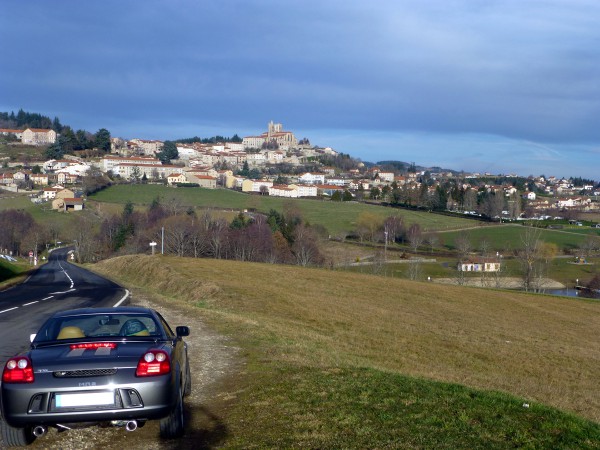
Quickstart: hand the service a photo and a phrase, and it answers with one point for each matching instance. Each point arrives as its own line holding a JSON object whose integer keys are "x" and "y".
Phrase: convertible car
{"x": 97, "y": 366}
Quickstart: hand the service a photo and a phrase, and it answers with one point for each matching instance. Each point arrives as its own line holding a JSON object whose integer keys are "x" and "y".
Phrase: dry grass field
{"x": 541, "y": 348}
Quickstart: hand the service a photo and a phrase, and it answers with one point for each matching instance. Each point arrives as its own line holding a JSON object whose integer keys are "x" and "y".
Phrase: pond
{"x": 572, "y": 292}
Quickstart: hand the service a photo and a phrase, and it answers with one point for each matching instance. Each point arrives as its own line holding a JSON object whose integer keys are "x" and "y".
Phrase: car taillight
{"x": 152, "y": 363}
{"x": 94, "y": 345}
{"x": 18, "y": 370}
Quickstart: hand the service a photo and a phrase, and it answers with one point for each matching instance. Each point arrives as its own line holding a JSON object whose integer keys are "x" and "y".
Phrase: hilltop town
{"x": 277, "y": 163}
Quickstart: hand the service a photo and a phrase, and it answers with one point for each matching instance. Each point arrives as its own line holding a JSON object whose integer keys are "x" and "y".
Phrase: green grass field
{"x": 507, "y": 238}
{"x": 344, "y": 360}
{"x": 12, "y": 273}
{"x": 45, "y": 216}
{"x": 336, "y": 217}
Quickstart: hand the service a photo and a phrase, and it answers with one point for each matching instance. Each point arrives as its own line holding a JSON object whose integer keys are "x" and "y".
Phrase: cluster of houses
{"x": 219, "y": 164}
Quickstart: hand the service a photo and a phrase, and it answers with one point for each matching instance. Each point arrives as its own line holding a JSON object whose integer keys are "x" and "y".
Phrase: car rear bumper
{"x": 29, "y": 405}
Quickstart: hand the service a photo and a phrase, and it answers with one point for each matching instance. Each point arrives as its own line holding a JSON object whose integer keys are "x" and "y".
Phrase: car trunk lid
{"x": 89, "y": 355}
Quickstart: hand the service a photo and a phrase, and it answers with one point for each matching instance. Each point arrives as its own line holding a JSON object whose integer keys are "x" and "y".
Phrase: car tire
{"x": 171, "y": 427}
{"x": 16, "y": 437}
{"x": 187, "y": 390}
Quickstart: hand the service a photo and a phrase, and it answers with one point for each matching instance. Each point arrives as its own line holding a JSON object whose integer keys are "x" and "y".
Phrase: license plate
{"x": 84, "y": 399}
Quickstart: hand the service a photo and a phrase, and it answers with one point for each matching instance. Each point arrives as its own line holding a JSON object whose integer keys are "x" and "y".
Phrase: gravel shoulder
{"x": 215, "y": 365}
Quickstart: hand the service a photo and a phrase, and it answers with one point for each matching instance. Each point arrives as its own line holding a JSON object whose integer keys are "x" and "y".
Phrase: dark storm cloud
{"x": 526, "y": 71}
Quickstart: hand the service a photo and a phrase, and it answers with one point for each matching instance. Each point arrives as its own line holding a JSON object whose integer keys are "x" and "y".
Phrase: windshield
{"x": 98, "y": 326}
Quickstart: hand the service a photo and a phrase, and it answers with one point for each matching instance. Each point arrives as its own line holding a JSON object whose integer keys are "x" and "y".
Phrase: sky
{"x": 499, "y": 86}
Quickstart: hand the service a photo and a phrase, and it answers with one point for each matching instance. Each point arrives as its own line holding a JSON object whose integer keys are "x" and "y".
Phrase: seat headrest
{"x": 70, "y": 333}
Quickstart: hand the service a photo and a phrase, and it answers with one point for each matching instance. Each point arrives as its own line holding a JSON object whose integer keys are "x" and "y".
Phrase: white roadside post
{"x": 152, "y": 245}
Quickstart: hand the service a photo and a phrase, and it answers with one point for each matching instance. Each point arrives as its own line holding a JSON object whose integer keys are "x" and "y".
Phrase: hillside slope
{"x": 545, "y": 349}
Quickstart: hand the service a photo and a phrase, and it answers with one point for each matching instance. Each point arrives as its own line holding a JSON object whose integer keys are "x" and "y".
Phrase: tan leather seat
{"x": 70, "y": 333}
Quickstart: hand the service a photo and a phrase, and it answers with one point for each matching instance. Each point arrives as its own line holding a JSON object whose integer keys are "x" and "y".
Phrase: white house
{"x": 305, "y": 190}
{"x": 175, "y": 178}
{"x": 283, "y": 191}
{"x": 147, "y": 147}
{"x": 312, "y": 178}
{"x": 151, "y": 171}
{"x": 386, "y": 176}
{"x": 256, "y": 185}
{"x": 256, "y": 159}
{"x": 205, "y": 181}
{"x": 111, "y": 162}
{"x": 38, "y": 136}
{"x": 480, "y": 265}
{"x": 49, "y": 193}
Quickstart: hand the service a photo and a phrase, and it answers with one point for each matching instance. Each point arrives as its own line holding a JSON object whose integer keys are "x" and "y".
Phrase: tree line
{"x": 210, "y": 140}
{"x": 21, "y": 234}
{"x": 273, "y": 238}
{"x": 23, "y": 120}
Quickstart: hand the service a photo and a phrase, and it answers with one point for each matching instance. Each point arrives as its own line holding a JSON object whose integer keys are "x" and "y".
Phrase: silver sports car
{"x": 119, "y": 366}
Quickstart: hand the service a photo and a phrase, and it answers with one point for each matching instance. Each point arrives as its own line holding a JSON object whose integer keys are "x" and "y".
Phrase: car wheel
{"x": 16, "y": 437}
{"x": 187, "y": 390}
{"x": 171, "y": 427}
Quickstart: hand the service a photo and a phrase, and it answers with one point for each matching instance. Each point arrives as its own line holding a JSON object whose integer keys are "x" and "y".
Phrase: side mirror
{"x": 32, "y": 337}
{"x": 182, "y": 331}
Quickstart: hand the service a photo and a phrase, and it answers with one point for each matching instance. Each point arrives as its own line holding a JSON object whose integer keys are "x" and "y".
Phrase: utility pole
{"x": 385, "y": 246}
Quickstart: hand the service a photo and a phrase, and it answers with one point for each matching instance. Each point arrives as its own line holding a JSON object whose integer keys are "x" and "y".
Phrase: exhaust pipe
{"x": 131, "y": 425}
{"x": 39, "y": 430}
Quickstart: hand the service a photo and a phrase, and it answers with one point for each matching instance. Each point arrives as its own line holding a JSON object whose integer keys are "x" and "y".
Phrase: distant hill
{"x": 402, "y": 166}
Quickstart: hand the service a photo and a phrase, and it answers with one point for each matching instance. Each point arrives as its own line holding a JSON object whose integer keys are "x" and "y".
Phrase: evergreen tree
{"x": 168, "y": 152}
{"x": 102, "y": 140}
{"x": 56, "y": 126}
{"x": 54, "y": 151}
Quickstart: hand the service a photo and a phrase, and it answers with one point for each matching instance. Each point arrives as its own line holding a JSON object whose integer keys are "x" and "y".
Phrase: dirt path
{"x": 215, "y": 362}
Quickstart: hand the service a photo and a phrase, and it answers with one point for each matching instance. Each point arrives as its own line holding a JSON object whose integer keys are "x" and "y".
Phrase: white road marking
{"x": 47, "y": 298}
{"x": 123, "y": 299}
{"x": 64, "y": 292}
{"x": 30, "y": 303}
{"x": 9, "y": 309}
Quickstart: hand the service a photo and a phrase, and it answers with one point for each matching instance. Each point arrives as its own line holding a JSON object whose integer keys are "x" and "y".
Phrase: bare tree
{"x": 414, "y": 236}
{"x": 394, "y": 227}
{"x": 174, "y": 207}
{"x": 432, "y": 240}
{"x": 305, "y": 247}
{"x": 177, "y": 235}
{"x": 217, "y": 230}
{"x": 470, "y": 200}
{"x": 378, "y": 265}
{"x": 529, "y": 258}
{"x": 589, "y": 245}
{"x": 463, "y": 246}
{"x": 514, "y": 206}
{"x": 367, "y": 225}
{"x": 485, "y": 247}
{"x": 86, "y": 244}
{"x": 34, "y": 239}
{"x": 493, "y": 205}
{"x": 414, "y": 269}
{"x": 199, "y": 238}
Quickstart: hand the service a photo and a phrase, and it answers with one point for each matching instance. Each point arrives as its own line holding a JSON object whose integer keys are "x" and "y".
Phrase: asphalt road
{"x": 55, "y": 286}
